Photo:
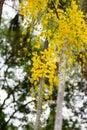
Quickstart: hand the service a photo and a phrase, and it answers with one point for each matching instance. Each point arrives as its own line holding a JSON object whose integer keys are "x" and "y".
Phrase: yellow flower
{"x": 46, "y": 97}
{"x": 24, "y": 32}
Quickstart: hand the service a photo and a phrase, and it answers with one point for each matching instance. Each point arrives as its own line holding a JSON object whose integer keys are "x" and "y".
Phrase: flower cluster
{"x": 44, "y": 66}
{"x": 63, "y": 29}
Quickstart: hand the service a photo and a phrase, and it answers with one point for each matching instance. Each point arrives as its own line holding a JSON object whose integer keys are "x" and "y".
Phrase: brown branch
{"x": 1, "y": 7}
{"x": 12, "y": 91}
{"x": 55, "y": 9}
{"x": 5, "y": 124}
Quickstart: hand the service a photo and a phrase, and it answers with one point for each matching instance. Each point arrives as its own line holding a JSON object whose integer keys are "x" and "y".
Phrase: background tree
{"x": 14, "y": 57}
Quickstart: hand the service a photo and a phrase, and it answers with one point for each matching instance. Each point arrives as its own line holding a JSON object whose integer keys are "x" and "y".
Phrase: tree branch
{"x": 5, "y": 124}
{"x": 55, "y": 9}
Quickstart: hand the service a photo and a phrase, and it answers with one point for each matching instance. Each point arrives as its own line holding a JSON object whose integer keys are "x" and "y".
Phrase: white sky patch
{"x": 1, "y": 62}
{"x": 17, "y": 123}
{"x": 3, "y": 95}
{"x": 10, "y": 10}
{"x": 18, "y": 73}
{"x": 9, "y": 109}
{"x": 3, "y": 69}
{"x": 67, "y": 113}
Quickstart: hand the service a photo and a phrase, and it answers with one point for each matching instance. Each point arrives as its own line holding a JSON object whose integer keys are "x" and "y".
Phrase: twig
{"x": 55, "y": 9}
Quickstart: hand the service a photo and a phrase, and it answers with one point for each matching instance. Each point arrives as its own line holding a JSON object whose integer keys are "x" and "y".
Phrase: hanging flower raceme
{"x": 75, "y": 29}
{"x": 44, "y": 66}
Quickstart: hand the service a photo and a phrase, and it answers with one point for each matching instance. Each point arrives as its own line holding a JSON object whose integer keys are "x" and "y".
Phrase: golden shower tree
{"x": 60, "y": 35}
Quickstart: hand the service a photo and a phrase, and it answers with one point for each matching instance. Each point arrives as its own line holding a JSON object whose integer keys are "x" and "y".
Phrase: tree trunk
{"x": 84, "y": 8}
{"x": 39, "y": 106}
{"x": 85, "y": 76}
{"x": 60, "y": 95}
{"x": 1, "y": 6}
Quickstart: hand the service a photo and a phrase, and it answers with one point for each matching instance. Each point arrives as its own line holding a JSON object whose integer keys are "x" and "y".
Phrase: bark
{"x": 1, "y": 7}
{"x": 39, "y": 107}
{"x": 85, "y": 76}
{"x": 84, "y": 9}
{"x": 60, "y": 95}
